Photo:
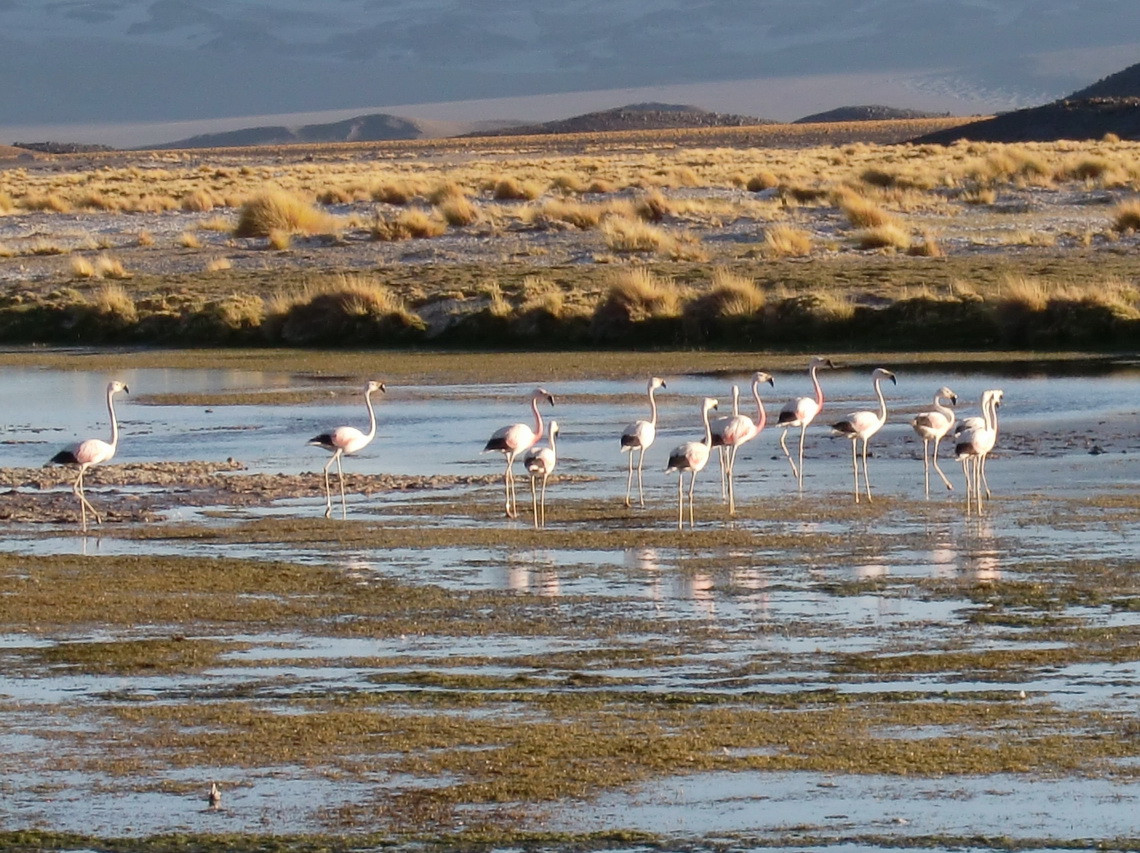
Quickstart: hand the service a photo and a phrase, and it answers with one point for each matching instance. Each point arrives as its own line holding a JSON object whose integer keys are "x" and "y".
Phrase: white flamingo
{"x": 516, "y": 439}
{"x": 934, "y": 426}
{"x": 345, "y": 441}
{"x": 639, "y": 436}
{"x": 692, "y": 456}
{"x": 92, "y": 451}
{"x": 718, "y": 425}
{"x": 973, "y": 444}
{"x": 730, "y": 433}
{"x": 801, "y": 412}
{"x": 540, "y": 462}
{"x": 863, "y": 425}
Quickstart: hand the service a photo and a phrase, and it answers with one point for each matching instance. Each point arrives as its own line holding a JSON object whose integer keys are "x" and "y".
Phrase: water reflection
{"x": 647, "y": 561}
{"x": 532, "y": 572}
{"x": 981, "y": 559}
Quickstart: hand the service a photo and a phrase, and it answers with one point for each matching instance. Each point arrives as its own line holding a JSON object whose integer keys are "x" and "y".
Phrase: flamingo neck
{"x": 114, "y": 422}
{"x": 652, "y": 407}
{"x": 761, "y": 415}
{"x": 553, "y": 449}
{"x": 818, "y": 390}
{"x": 882, "y": 402}
{"x": 537, "y": 419}
{"x": 708, "y": 430}
{"x": 371, "y": 416}
{"x": 945, "y": 411}
{"x": 735, "y": 400}
{"x": 991, "y": 415}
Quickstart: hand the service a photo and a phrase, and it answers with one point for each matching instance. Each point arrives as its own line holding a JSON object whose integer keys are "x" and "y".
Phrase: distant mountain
{"x": 646, "y": 116}
{"x": 872, "y": 112}
{"x": 1122, "y": 84}
{"x": 1087, "y": 118}
{"x": 377, "y": 127}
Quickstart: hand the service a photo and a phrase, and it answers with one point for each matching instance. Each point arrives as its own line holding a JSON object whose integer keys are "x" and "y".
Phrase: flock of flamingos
{"x": 973, "y": 438}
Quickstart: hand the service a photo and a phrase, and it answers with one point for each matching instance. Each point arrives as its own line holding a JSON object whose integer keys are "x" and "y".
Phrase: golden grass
{"x": 409, "y": 224}
{"x": 733, "y": 295}
{"x": 782, "y": 241}
{"x": 107, "y": 266}
{"x": 512, "y": 189}
{"x": 7, "y": 205}
{"x": 458, "y": 211}
{"x": 81, "y": 267}
{"x": 277, "y": 210}
{"x": 639, "y": 294}
{"x": 189, "y": 240}
{"x": 1024, "y": 291}
{"x": 860, "y": 211}
{"x": 113, "y": 301}
{"x": 763, "y": 180}
{"x": 633, "y": 235}
{"x": 653, "y": 206}
{"x": 218, "y": 265}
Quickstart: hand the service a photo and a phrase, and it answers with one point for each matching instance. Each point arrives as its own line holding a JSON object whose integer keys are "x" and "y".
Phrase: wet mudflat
{"x": 811, "y": 674}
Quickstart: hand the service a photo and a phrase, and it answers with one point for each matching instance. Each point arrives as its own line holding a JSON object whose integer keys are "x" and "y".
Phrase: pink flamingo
{"x": 863, "y": 425}
{"x": 974, "y": 442}
{"x": 935, "y": 426}
{"x": 540, "y": 462}
{"x": 639, "y": 436}
{"x": 93, "y": 451}
{"x": 801, "y": 412}
{"x": 738, "y": 430}
{"x": 515, "y": 439}
{"x": 345, "y": 441}
{"x": 692, "y": 456}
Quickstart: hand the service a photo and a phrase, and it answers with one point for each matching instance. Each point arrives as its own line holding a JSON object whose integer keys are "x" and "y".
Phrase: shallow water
{"x": 784, "y": 610}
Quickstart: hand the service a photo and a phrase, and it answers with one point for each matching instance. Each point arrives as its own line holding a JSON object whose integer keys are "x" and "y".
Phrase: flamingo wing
{"x": 511, "y": 439}
{"x": 859, "y": 424}
{"x": 798, "y": 412}
{"x": 638, "y": 434}
{"x": 931, "y": 424}
{"x": 738, "y": 430}
{"x": 690, "y": 456}
{"x": 93, "y": 451}
{"x": 541, "y": 461}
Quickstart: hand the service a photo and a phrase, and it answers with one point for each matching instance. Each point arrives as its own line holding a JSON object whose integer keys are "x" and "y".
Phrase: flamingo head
{"x": 543, "y": 394}
{"x": 819, "y": 361}
{"x": 373, "y": 386}
{"x": 710, "y": 404}
{"x": 946, "y": 394}
{"x": 656, "y": 382}
{"x": 553, "y": 428}
{"x": 882, "y": 373}
{"x": 996, "y": 395}
{"x": 760, "y": 376}
{"x": 117, "y": 386}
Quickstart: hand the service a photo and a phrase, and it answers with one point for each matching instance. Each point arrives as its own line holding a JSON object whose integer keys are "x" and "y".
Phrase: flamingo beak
{"x": 954, "y": 399}
{"x": 771, "y": 381}
{"x": 126, "y": 390}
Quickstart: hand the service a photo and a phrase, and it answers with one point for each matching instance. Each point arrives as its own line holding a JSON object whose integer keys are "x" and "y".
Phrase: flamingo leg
{"x": 680, "y": 502}
{"x": 787, "y": 453}
{"x": 509, "y": 485}
{"x": 731, "y": 484}
{"x": 328, "y": 488}
{"x": 803, "y": 432}
{"x": 926, "y": 464}
{"x": 340, "y": 474}
{"x": 866, "y": 476}
{"x": 692, "y": 483}
{"x": 84, "y": 504}
{"x": 723, "y": 453}
{"x": 934, "y": 456}
{"x": 534, "y": 501}
{"x": 982, "y": 474}
{"x": 542, "y": 503}
{"x": 855, "y": 467}
{"x": 640, "y": 491}
{"x": 969, "y": 484}
{"x": 629, "y": 479}
{"x": 979, "y": 478}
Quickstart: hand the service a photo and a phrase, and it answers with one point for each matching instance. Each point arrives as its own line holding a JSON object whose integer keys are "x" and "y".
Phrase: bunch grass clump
{"x": 634, "y": 235}
{"x": 782, "y": 241}
{"x": 277, "y": 210}
{"x": 860, "y": 211}
{"x": 345, "y": 309}
{"x": 887, "y": 236}
{"x": 409, "y": 224}
{"x": 1126, "y": 216}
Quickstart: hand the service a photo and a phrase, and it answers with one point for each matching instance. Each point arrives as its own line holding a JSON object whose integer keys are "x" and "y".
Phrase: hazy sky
{"x": 170, "y": 68}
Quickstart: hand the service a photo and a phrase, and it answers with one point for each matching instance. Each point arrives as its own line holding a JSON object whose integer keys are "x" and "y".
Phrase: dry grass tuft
{"x": 638, "y": 295}
{"x": 512, "y": 189}
{"x": 862, "y": 212}
{"x": 198, "y": 201}
{"x": 653, "y": 207}
{"x": 348, "y": 308}
{"x": 734, "y": 295}
{"x": 189, "y": 240}
{"x": 785, "y": 241}
{"x": 887, "y": 236}
{"x": 410, "y": 224}
{"x": 761, "y": 181}
{"x": 277, "y": 210}
{"x": 81, "y": 267}
{"x": 1024, "y": 291}
{"x": 928, "y": 248}
{"x": 458, "y": 211}
{"x": 1126, "y": 216}
{"x": 633, "y": 235}
{"x": 111, "y": 302}
{"x": 107, "y": 266}
{"x": 218, "y": 265}
{"x": 279, "y": 239}
{"x": 49, "y": 203}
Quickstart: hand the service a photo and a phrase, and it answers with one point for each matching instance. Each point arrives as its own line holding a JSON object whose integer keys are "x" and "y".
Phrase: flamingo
{"x": 740, "y": 429}
{"x": 801, "y": 412}
{"x": 515, "y": 439}
{"x": 974, "y": 442}
{"x": 92, "y": 451}
{"x": 540, "y": 462}
{"x": 863, "y": 425}
{"x": 639, "y": 435}
{"x": 692, "y": 456}
{"x": 718, "y": 426}
{"x": 935, "y": 426}
{"x": 345, "y": 441}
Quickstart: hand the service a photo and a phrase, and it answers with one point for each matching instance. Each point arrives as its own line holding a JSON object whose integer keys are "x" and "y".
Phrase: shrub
{"x": 198, "y": 201}
{"x": 189, "y": 240}
{"x": 218, "y": 265}
{"x": 652, "y": 207}
{"x": 109, "y": 267}
{"x": 114, "y": 307}
{"x": 81, "y": 267}
{"x": 238, "y": 312}
{"x": 862, "y": 212}
{"x": 928, "y": 248}
{"x": 393, "y": 193}
{"x": 277, "y": 210}
{"x": 639, "y": 295}
{"x": 786, "y": 241}
{"x": 762, "y": 181}
{"x": 458, "y": 211}
{"x": 633, "y": 235}
{"x": 512, "y": 189}
{"x": 350, "y": 309}
{"x": 1023, "y": 292}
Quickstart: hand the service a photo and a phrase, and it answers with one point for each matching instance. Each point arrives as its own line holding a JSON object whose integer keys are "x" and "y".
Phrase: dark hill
{"x": 1122, "y": 84}
{"x": 1088, "y": 118}
{"x": 650, "y": 116}
{"x": 873, "y": 112}
{"x": 367, "y": 128}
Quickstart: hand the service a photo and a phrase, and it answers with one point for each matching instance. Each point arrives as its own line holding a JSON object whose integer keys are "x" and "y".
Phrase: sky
{"x": 140, "y": 72}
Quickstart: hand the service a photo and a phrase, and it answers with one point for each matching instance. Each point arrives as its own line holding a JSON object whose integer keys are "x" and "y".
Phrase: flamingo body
{"x": 540, "y": 462}
{"x": 800, "y": 412}
{"x": 933, "y": 426}
{"x": 345, "y": 441}
{"x": 737, "y": 430}
{"x": 973, "y": 444}
{"x": 692, "y": 456}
